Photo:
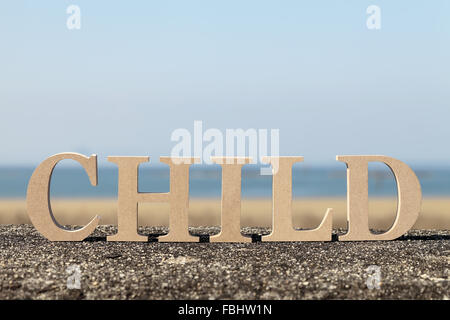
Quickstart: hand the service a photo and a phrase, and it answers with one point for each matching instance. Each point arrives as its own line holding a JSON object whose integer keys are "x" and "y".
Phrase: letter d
{"x": 409, "y": 198}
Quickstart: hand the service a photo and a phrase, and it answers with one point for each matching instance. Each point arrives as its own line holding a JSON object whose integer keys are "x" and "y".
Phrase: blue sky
{"x": 136, "y": 71}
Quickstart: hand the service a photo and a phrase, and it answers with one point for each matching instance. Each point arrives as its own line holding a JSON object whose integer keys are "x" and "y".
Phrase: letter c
{"x": 38, "y": 198}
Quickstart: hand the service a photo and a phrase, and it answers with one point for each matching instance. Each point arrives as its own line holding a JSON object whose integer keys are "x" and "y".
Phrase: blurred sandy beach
{"x": 307, "y": 212}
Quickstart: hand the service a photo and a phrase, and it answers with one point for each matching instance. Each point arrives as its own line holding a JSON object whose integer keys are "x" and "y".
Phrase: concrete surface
{"x": 413, "y": 267}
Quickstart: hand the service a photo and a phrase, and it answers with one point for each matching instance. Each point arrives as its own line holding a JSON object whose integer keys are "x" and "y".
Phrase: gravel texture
{"x": 415, "y": 266}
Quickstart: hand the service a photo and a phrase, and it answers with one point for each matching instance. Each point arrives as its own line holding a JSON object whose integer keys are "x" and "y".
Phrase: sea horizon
{"x": 205, "y": 181}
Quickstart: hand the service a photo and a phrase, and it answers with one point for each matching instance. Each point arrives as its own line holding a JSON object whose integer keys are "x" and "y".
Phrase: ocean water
{"x": 205, "y": 181}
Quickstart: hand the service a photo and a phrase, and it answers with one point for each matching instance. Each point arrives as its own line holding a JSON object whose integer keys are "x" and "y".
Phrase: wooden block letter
{"x": 409, "y": 198}
{"x": 282, "y": 229}
{"x": 129, "y": 197}
{"x": 38, "y": 198}
{"x": 179, "y": 199}
{"x": 231, "y": 200}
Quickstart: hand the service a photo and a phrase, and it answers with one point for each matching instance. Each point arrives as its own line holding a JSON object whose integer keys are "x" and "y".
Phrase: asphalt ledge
{"x": 416, "y": 266}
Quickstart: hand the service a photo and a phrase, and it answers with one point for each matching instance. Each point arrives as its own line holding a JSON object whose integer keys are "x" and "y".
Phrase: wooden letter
{"x": 38, "y": 199}
{"x": 231, "y": 200}
{"x": 282, "y": 229}
{"x": 129, "y": 197}
{"x": 179, "y": 199}
{"x": 409, "y": 198}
